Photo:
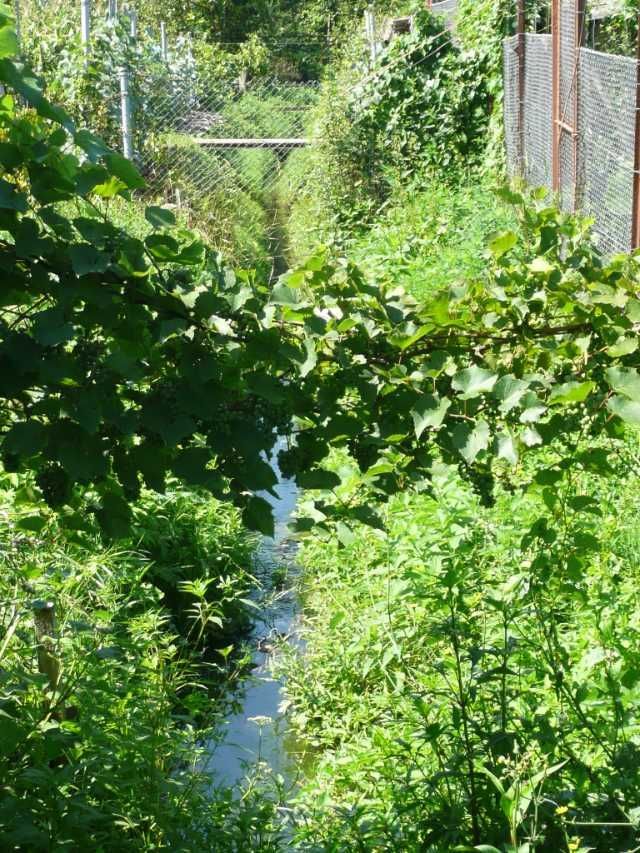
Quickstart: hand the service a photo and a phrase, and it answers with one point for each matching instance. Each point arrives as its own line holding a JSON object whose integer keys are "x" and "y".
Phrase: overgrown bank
{"x": 470, "y": 674}
{"x": 471, "y": 678}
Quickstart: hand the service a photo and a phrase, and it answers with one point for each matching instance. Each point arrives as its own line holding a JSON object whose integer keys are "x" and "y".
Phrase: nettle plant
{"x": 126, "y": 361}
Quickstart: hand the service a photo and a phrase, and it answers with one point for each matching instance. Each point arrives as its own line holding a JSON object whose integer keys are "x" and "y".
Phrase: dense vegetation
{"x": 456, "y": 376}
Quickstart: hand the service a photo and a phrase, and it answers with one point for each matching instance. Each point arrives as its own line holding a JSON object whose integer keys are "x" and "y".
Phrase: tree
{"x": 126, "y": 360}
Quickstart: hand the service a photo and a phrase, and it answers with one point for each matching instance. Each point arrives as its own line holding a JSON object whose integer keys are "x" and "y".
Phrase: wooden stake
{"x": 45, "y": 625}
{"x": 522, "y": 21}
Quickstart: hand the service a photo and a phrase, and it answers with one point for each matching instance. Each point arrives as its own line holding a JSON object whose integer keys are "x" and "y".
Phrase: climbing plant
{"x": 125, "y": 360}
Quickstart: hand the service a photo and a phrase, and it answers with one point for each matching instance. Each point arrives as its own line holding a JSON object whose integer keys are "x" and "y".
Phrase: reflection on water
{"x": 259, "y": 731}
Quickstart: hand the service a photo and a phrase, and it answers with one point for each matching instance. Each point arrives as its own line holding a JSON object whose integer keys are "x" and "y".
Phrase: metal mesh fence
{"x": 607, "y": 118}
{"x": 595, "y": 116}
{"x": 216, "y": 137}
{"x": 536, "y": 166}
{"x": 538, "y": 124}
{"x": 448, "y": 9}
{"x": 511, "y": 130}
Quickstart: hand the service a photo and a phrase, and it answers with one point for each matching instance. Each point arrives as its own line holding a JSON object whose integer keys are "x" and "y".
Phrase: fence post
{"x": 18, "y": 22}
{"x": 85, "y": 22}
{"x": 133, "y": 21}
{"x": 566, "y": 115}
{"x": 635, "y": 220}
{"x": 522, "y": 21}
{"x": 370, "y": 29}
{"x": 45, "y": 625}
{"x": 127, "y": 119}
{"x": 555, "y": 95}
{"x": 163, "y": 41}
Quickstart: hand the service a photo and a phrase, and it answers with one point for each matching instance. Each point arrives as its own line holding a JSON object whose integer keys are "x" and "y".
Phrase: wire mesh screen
{"x": 511, "y": 113}
{"x": 448, "y": 9}
{"x": 607, "y": 115}
{"x": 209, "y": 137}
{"x": 538, "y": 123}
{"x": 596, "y": 116}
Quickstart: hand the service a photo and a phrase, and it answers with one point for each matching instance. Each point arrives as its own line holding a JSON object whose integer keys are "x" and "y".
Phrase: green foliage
{"x": 469, "y": 677}
{"x": 618, "y": 33}
{"x": 420, "y": 111}
{"x": 428, "y": 235}
{"x": 130, "y": 360}
{"x": 194, "y": 543}
{"x": 105, "y": 755}
{"x": 116, "y": 350}
{"x": 424, "y": 106}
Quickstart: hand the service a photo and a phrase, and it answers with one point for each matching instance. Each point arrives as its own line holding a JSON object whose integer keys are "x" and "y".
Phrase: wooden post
{"x": 566, "y": 115}
{"x": 521, "y": 85}
{"x": 555, "y": 94}
{"x": 578, "y": 171}
{"x": 45, "y": 625}
{"x": 635, "y": 236}
{"x": 126, "y": 113}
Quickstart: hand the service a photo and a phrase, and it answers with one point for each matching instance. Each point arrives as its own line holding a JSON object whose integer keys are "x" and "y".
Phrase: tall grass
{"x": 107, "y": 755}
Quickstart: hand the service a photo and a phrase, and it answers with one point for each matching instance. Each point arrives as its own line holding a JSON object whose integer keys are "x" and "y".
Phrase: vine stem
{"x": 468, "y": 747}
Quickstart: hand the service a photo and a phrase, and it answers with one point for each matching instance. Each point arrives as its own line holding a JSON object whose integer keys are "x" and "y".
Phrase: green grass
{"x": 108, "y": 760}
{"x": 429, "y": 238}
{"x": 413, "y": 635}
{"x": 425, "y": 237}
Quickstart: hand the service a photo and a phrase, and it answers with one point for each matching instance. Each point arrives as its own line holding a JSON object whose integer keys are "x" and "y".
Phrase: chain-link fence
{"x": 446, "y": 9}
{"x": 218, "y": 136}
{"x": 572, "y": 124}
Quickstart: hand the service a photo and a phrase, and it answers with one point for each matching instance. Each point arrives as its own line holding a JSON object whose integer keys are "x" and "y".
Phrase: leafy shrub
{"x": 467, "y": 681}
{"x": 421, "y": 110}
{"x": 200, "y": 560}
{"x": 104, "y": 756}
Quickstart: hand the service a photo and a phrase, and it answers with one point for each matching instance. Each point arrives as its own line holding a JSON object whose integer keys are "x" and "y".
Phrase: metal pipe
{"x": 126, "y": 112}
{"x": 133, "y": 20}
{"x": 163, "y": 41}
{"x": 85, "y": 22}
{"x": 18, "y": 22}
{"x": 370, "y": 28}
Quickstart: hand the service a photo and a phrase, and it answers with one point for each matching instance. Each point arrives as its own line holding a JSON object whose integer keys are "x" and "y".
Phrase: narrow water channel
{"x": 258, "y": 732}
